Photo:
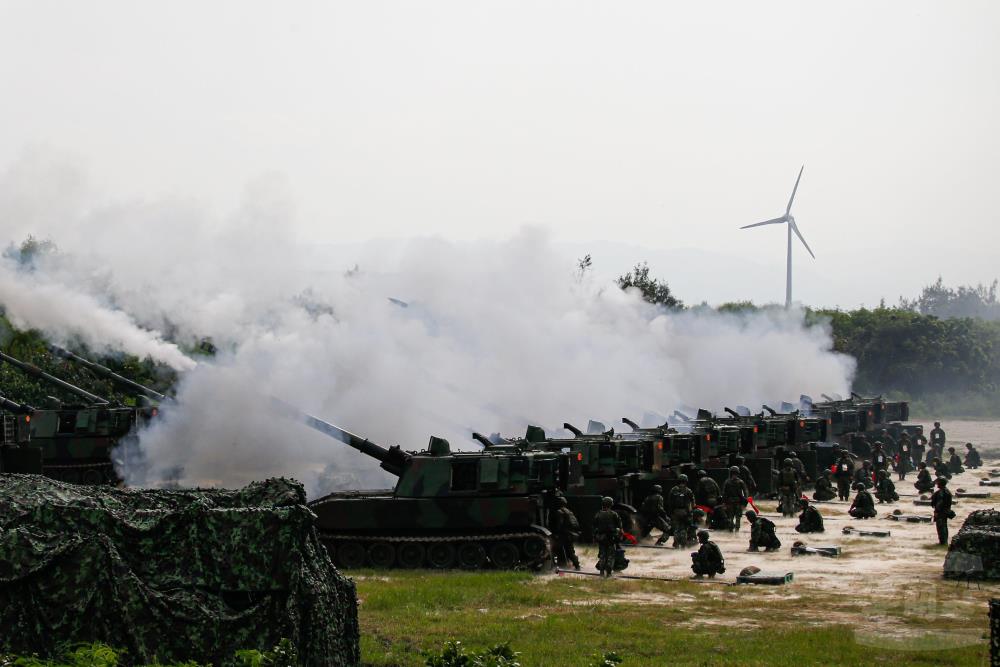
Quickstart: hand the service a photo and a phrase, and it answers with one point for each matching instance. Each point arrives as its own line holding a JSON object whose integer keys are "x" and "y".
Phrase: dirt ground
{"x": 896, "y": 580}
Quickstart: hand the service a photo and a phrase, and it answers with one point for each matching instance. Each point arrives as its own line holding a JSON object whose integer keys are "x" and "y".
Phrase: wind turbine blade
{"x": 775, "y": 221}
{"x": 795, "y": 228}
{"x": 792, "y": 198}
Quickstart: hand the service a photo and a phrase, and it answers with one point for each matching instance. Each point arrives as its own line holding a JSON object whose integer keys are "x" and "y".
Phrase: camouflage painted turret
{"x": 76, "y": 439}
{"x": 467, "y": 509}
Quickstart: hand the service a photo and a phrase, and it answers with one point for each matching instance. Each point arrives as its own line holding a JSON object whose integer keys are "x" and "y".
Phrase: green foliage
{"x": 964, "y": 301}
{"x": 908, "y": 354}
{"x": 455, "y": 655}
{"x": 31, "y": 347}
{"x": 653, "y": 290}
{"x": 609, "y": 659}
{"x": 282, "y": 655}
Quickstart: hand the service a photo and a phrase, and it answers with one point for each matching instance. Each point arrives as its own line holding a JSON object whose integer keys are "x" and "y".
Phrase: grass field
{"x": 569, "y": 620}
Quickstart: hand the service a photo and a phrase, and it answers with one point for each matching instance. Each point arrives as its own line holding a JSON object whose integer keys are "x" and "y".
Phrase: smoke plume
{"x": 394, "y": 341}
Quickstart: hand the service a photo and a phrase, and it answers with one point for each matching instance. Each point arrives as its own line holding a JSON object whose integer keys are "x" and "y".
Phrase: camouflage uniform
{"x": 863, "y": 506}
{"x": 941, "y": 502}
{"x": 708, "y": 559}
{"x": 924, "y": 481}
{"x": 972, "y": 458}
{"x": 607, "y": 534}
{"x": 810, "y": 521}
{"x": 654, "y": 516}
{"x": 734, "y": 495}
{"x": 762, "y": 534}
{"x": 824, "y": 487}
{"x": 885, "y": 490}
{"x": 938, "y": 439}
{"x": 681, "y": 502}
{"x": 708, "y": 492}
{"x": 880, "y": 460}
{"x": 904, "y": 463}
{"x": 746, "y": 476}
{"x": 566, "y": 529}
{"x": 864, "y": 475}
{"x": 954, "y": 462}
{"x": 788, "y": 488}
{"x": 844, "y": 475}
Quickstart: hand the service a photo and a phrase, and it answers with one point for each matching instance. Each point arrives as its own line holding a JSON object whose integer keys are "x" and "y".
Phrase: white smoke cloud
{"x": 493, "y": 336}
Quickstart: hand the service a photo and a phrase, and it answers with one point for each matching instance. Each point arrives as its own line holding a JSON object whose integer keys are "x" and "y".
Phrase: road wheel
{"x": 410, "y": 554}
{"x": 350, "y": 555}
{"x": 381, "y": 555}
{"x": 441, "y": 555}
{"x": 471, "y": 556}
{"x": 535, "y": 549}
{"x": 504, "y": 555}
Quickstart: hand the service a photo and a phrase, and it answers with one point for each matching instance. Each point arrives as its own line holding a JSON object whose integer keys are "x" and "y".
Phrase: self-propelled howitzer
{"x": 467, "y": 509}
{"x": 76, "y": 440}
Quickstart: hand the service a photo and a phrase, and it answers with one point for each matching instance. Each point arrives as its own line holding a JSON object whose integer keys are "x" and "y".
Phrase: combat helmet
{"x": 703, "y": 536}
{"x": 607, "y": 501}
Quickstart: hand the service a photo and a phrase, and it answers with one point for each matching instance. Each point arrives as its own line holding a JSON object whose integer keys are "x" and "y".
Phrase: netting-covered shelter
{"x": 974, "y": 552}
{"x": 169, "y": 575}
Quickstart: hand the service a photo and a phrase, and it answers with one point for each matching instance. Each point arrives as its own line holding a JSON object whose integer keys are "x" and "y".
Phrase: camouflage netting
{"x": 173, "y": 575}
{"x": 974, "y": 552}
{"x": 995, "y": 633}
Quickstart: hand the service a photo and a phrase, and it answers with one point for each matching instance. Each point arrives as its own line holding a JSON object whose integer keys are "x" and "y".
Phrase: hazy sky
{"x": 660, "y": 126}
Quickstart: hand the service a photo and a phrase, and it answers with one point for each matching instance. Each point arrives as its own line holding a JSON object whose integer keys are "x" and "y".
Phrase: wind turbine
{"x": 792, "y": 227}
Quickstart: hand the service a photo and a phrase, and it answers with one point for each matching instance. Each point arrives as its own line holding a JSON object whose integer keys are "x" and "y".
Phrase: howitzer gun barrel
{"x": 732, "y": 412}
{"x": 31, "y": 369}
{"x": 483, "y": 440}
{"x": 631, "y": 424}
{"x": 392, "y": 459}
{"x": 14, "y": 406}
{"x": 108, "y": 373}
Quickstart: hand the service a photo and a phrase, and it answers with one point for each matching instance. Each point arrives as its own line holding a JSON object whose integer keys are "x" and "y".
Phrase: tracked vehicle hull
{"x": 378, "y": 529}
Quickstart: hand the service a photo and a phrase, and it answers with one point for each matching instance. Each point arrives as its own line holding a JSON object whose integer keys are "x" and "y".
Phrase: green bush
{"x": 455, "y": 655}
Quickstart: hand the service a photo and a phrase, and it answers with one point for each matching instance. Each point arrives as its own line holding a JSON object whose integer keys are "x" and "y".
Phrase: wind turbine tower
{"x": 792, "y": 227}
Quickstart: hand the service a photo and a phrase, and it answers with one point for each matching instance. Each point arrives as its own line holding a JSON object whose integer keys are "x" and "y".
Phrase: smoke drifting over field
{"x": 490, "y": 336}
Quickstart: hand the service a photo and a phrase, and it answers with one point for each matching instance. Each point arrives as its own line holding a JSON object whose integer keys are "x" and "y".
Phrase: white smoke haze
{"x": 494, "y": 336}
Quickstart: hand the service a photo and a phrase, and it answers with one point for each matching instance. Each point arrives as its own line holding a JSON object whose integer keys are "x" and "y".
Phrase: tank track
{"x": 91, "y": 474}
{"x": 503, "y": 551}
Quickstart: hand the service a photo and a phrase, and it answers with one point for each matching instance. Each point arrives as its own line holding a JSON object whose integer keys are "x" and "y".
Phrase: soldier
{"x": 904, "y": 460}
{"x": 863, "y": 506}
{"x": 889, "y": 443}
{"x": 681, "y": 505}
{"x": 720, "y": 519}
{"x": 654, "y": 515}
{"x": 954, "y": 462}
{"x": 788, "y": 488}
{"x": 972, "y": 458}
{"x": 697, "y": 519}
{"x": 824, "y": 487}
{"x": 924, "y": 482}
{"x": 762, "y": 533}
{"x": 708, "y": 559}
{"x": 885, "y": 490}
{"x": 864, "y": 475}
{"x": 607, "y": 534}
{"x": 937, "y": 439}
{"x": 708, "y": 493}
{"x": 565, "y": 527}
{"x": 735, "y": 495}
{"x": 880, "y": 460}
{"x": 810, "y": 521}
{"x": 844, "y": 476}
{"x": 940, "y": 469}
{"x": 919, "y": 444}
{"x": 800, "y": 468}
{"x": 941, "y": 502}
{"x": 746, "y": 476}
